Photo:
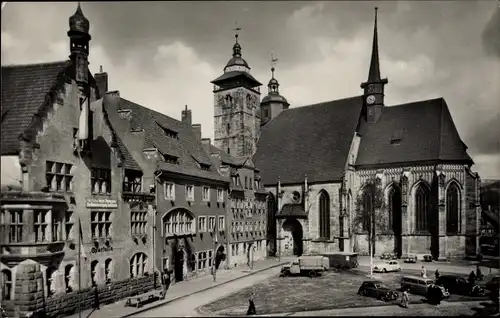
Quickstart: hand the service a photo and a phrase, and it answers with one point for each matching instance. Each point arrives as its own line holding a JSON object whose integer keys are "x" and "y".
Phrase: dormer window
{"x": 132, "y": 181}
{"x": 204, "y": 166}
{"x": 168, "y": 132}
{"x": 397, "y": 136}
{"x": 170, "y": 159}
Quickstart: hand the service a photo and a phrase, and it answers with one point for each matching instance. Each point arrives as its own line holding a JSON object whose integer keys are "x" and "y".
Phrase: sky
{"x": 163, "y": 55}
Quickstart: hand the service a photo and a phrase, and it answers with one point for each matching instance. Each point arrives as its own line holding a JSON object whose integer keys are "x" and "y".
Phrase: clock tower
{"x": 373, "y": 94}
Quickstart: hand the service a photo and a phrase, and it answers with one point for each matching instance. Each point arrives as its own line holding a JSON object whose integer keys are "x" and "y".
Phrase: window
{"x": 265, "y": 112}
{"x": 452, "y": 209}
{"x": 101, "y": 181}
{"x": 16, "y": 226}
{"x": 132, "y": 181}
{"x": 221, "y": 225}
{"x": 246, "y": 182}
{"x": 100, "y": 224}
{"x": 169, "y": 191}
{"x": 56, "y": 234}
{"x": 324, "y": 215}
{"x": 202, "y": 224}
{"x": 6, "y": 284}
{"x": 93, "y": 272}
{"x": 190, "y": 193}
{"x": 166, "y": 264}
{"x": 170, "y": 159}
{"x": 220, "y": 195}
{"x": 168, "y": 132}
{"x": 250, "y": 184}
{"x": 232, "y": 227}
{"x": 394, "y": 209}
{"x": 233, "y": 250}
{"x": 179, "y": 221}
{"x": 202, "y": 260}
{"x": 108, "y": 270}
{"x": 367, "y": 208}
{"x": 228, "y": 127}
{"x": 206, "y": 193}
{"x": 257, "y": 184}
{"x": 58, "y": 176}
{"x": 139, "y": 222}
{"x": 211, "y": 223}
{"x": 138, "y": 265}
{"x": 210, "y": 258}
{"x": 421, "y": 207}
{"x": 69, "y": 277}
{"x": 68, "y": 222}
{"x": 40, "y": 224}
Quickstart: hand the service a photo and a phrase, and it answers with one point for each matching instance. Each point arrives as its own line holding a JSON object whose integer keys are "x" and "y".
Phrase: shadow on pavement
{"x": 487, "y": 309}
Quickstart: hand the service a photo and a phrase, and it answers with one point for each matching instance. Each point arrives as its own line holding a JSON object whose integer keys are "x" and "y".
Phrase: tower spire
{"x": 236, "y": 46}
{"x": 374, "y": 73}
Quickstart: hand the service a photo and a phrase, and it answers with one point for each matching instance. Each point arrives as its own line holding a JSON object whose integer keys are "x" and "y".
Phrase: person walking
{"x": 437, "y": 274}
{"x": 479, "y": 274}
{"x": 472, "y": 279}
{"x": 404, "y": 298}
{"x": 423, "y": 272}
{"x": 251, "y": 305}
{"x": 96, "y": 298}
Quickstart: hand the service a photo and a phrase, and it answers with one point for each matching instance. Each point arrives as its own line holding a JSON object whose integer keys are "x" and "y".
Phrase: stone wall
{"x": 67, "y": 304}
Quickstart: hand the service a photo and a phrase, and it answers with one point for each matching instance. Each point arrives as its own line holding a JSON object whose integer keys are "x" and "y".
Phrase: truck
{"x": 306, "y": 265}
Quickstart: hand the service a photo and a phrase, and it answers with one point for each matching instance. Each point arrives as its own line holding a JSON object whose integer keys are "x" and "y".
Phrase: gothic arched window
{"x": 69, "y": 277}
{"x": 6, "y": 284}
{"x": 93, "y": 272}
{"x": 108, "y": 269}
{"x": 324, "y": 215}
{"x": 138, "y": 265}
{"x": 421, "y": 207}
{"x": 367, "y": 208}
{"x": 452, "y": 208}
{"x": 179, "y": 221}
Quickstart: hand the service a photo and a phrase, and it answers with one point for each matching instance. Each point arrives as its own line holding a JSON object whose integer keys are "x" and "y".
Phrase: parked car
{"x": 459, "y": 285}
{"x": 427, "y": 258}
{"x": 388, "y": 266}
{"x": 376, "y": 289}
{"x": 493, "y": 284}
{"x": 416, "y": 284}
{"x": 306, "y": 265}
{"x": 410, "y": 258}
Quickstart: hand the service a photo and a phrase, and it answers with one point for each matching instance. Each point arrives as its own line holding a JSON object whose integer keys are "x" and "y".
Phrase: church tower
{"x": 272, "y": 104}
{"x": 373, "y": 94}
{"x": 79, "y": 36}
{"x": 236, "y": 107}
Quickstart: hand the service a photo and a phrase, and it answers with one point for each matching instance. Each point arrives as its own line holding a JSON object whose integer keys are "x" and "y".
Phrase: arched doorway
{"x": 220, "y": 256}
{"x": 249, "y": 253}
{"x": 293, "y": 236}
{"x": 394, "y": 209}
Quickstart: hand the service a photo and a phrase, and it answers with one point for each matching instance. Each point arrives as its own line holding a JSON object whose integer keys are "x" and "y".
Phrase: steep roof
{"x": 312, "y": 140}
{"x": 235, "y": 74}
{"x": 418, "y": 131}
{"x": 24, "y": 89}
{"x": 128, "y": 161}
{"x": 186, "y": 147}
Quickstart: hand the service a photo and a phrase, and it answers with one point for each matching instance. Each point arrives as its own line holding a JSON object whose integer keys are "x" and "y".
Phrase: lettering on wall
{"x": 102, "y": 203}
{"x": 104, "y": 249}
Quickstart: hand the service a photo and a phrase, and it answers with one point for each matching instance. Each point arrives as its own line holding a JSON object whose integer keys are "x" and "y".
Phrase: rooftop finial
{"x": 236, "y": 29}
{"x": 186, "y": 109}
{"x": 100, "y": 68}
{"x": 273, "y": 63}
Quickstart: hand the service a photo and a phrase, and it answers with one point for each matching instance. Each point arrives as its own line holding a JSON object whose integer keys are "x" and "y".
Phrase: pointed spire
{"x": 374, "y": 74}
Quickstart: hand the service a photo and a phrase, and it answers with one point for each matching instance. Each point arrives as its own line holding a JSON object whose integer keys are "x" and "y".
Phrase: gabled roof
{"x": 128, "y": 161}
{"x": 185, "y": 146}
{"x": 420, "y": 131}
{"x": 311, "y": 140}
{"x": 24, "y": 90}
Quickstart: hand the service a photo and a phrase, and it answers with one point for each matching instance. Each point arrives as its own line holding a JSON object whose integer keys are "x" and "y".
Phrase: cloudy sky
{"x": 164, "y": 54}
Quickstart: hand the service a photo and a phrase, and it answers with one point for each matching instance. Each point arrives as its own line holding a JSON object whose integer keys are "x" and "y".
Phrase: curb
{"x": 201, "y": 290}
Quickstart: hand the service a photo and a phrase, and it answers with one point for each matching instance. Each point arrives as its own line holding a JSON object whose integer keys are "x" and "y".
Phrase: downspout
{"x": 155, "y": 210}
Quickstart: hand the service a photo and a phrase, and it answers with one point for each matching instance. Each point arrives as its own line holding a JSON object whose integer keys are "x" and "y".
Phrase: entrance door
{"x": 395, "y": 215}
{"x": 294, "y": 227}
{"x": 179, "y": 265}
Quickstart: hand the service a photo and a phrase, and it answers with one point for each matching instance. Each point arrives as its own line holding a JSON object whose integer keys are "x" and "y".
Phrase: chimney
{"x": 206, "y": 144}
{"x": 196, "y": 128}
{"x": 186, "y": 116}
{"x": 101, "y": 80}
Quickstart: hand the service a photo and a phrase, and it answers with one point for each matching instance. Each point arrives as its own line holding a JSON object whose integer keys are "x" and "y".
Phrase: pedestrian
{"x": 479, "y": 275}
{"x": 251, "y": 305}
{"x": 472, "y": 279}
{"x": 96, "y": 297}
{"x": 423, "y": 272}
{"x": 437, "y": 274}
{"x": 405, "y": 298}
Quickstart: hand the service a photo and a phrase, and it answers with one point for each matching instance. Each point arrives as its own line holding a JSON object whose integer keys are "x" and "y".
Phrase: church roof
{"x": 156, "y": 127}
{"x": 274, "y": 98}
{"x": 312, "y": 140}
{"x": 24, "y": 91}
{"x": 418, "y": 131}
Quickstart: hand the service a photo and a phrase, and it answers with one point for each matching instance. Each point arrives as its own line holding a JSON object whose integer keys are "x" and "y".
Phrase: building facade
{"x": 405, "y": 166}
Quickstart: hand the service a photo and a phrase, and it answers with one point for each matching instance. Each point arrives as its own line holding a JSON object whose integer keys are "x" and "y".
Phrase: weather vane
{"x": 274, "y": 60}
{"x": 236, "y": 29}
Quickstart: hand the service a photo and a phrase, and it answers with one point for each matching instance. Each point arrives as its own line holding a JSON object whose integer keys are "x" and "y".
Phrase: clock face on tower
{"x": 371, "y": 88}
{"x": 370, "y": 99}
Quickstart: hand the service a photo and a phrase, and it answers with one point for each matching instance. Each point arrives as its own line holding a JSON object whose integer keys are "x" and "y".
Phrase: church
{"x": 325, "y": 165}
